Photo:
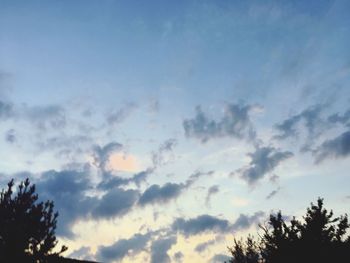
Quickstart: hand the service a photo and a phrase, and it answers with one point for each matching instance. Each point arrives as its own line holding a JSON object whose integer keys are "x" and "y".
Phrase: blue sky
{"x": 168, "y": 125}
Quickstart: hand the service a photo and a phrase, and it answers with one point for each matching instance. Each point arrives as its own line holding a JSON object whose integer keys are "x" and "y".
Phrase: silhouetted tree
{"x": 247, "y": 252}
{"x": 319, "y": 238}
{"x": 27, "y": 227}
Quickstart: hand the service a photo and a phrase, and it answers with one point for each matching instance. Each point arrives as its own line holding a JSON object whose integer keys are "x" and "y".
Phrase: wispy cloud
{"x": 310, "y": 118}
{"x": 338, "y": 147}
{"x": 235, "y": 123}
{"x": 263, "y": 161}
{"x": 117, "y": 116}
{"x": 273, "y": 193}
{"x": 211, "y": 191}
{"x": 164, "y": 154}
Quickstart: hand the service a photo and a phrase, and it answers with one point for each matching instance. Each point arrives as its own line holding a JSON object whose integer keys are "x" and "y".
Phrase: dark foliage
{"x": 319, "y": 237}
{"x": 27, "y": 227}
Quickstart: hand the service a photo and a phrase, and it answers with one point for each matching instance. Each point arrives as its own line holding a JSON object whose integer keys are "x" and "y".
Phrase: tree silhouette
{"x": 27, "y": 227}
{"x": 319, "y": 238}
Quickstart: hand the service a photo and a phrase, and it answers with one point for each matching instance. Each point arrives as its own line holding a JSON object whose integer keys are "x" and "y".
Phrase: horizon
{"x": 163, "y": 131}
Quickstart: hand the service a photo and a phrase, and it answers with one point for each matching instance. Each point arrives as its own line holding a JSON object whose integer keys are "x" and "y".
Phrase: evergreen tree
{"x": 319, "y": 238}
{"x": 27, "y": 227}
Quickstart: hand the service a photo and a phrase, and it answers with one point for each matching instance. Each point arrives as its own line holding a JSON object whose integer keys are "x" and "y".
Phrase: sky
{"x": 162, "y": 130}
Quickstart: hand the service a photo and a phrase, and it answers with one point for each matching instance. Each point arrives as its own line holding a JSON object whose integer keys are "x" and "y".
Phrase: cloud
{"x": 111, "y": 181}
{"x": 83, "y": 253}
{"x": 235, "y": 123}
{"x": 211, "y": 191}
{"x": 165, "y": 153}
{"x": 44, "y": 117}
{"x": 6, "y": 110}
{"x": 71, "y": 192}
{"x": 5, "y": 82}
{"x": 10, "y": 136}
{"x": 263, "y": 161}
{"x": 200, "y": 224}
{"x": 196, "y": 175}
{"x": 101, "y": 154}
{"x": 67, "y": 189}
{"x": 123, "y": 248}
{"x": 159, "y": 250}
{"x": 245, "y": 221}
{"x": 206, "y": 223}
{"x": 203, "y": 246}
{"x": 116, "y": 202}
{"x": 161, "y": 194}
{"x": 153, "y": 105}
{"x": 273, "y": 193}
{"x": 178, "y": 257}
{"x": 310, "y": 118}
{"x": 219, "y": 258}
{"x": 274, "y": 178}
{"x": 338, "y": 147}
{"x": 137, "y": 243}
{"x": 116, "y": 117}
{"x": 343, "y": 119}
{"x": 65, "y": 145}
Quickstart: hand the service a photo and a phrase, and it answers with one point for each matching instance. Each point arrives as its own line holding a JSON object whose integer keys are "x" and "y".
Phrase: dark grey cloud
{"x": 245, "y": 221}
{"x": 207, "y": 223}
{"x": 115, "y": 203}
{"x": 338, "y": 147}
{"x": 160, "y": 248}
{"x": 211, "y": 191}
{"x": 111, "y": 181}
{"x": 161, "y": 194}
{"x": 342, "y": 119}
{"x": 169, "y": 191}
{"x": 118, "y": 116}
{"x": 71, "y": 192}
{"x": 123, "y": 248}
{"x": 219, "y": 258}
{"x": 203, "y": 246}
{"x": 200, "y": 224}
{"x": 67, "y": 189}
{"x": 235, "y": 123}
{"x": 273, "y": 193}
{"x": 263, "y": 161}
{"x": 310, "y": 118}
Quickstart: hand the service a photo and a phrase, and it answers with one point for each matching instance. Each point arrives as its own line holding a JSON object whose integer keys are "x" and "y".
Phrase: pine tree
{"x": 27, "y": 227}
{"x": 320, "y": 238}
